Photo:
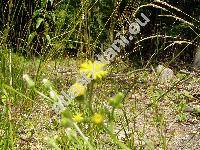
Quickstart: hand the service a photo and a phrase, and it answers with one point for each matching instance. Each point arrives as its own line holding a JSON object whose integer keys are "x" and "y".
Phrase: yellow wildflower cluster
{"x": 97, "y": 118}
{"x": 78, "y": 118}
{"x": 77, "y": 89}
{"x": 93, "y": 70}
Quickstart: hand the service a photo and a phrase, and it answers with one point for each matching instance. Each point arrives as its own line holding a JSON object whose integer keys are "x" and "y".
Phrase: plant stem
{"x": 90, "y": 96}
{"x": 122, "y": 145}
{"x": 83, "y": 136}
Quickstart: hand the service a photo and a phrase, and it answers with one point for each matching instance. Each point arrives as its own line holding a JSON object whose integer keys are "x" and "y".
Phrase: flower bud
{"x": 28, "y": 80}
{"x": 116, "y": 101}
{"x": 66, "y": 114}
{"x": 47, "y": 83}
{"x": 66, "y": 122}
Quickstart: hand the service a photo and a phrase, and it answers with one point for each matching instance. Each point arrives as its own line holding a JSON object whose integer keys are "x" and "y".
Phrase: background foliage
{"x": 57, "y": 27}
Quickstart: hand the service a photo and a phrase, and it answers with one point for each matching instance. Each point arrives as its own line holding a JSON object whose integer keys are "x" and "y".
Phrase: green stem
{"x": 10, "y": 133}
{"x": 83, "y": 136}
{"x": 114, "y": 138}
{"x": 90, "y": 96}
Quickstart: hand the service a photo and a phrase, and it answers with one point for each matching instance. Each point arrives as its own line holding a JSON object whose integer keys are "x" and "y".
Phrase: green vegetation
{"x": 47, "y": 45}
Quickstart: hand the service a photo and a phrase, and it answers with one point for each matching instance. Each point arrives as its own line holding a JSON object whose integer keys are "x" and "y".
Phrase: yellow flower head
{"x": 97, "y": 118}
{"x": 78, "y": 118}
{"x": 77, "y": 89}
{"x": 94, "y": 69}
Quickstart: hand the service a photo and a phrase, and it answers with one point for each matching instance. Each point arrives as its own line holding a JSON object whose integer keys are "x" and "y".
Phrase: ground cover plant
{"x": 55, "y": 93}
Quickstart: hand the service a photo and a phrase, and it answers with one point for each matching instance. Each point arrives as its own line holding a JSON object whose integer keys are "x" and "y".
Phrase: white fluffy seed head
{"x": 28, "y": 80}
{"x": 44, "y": 81}
{"x": 52, "y": 94}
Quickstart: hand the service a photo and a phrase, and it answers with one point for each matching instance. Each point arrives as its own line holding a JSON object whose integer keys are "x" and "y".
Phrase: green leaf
{"x": 36, "y": 13}
{"x": 39, "y": 21}
{"x": 3, "y": 100}
{"x": 182, "y": 117}
{"x": 31, "y": 36}
{"x": 48, "y": 39}
{"x": 43, "y": 3}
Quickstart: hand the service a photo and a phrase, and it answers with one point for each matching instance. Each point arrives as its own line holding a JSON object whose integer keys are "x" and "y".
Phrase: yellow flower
{"x": 78, "y": 118}
{"x": 77, "y": 89}
{"x": 97, "y": 118}
{"x": 93, "y": 70}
